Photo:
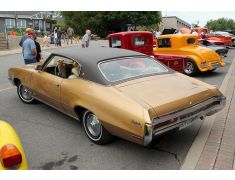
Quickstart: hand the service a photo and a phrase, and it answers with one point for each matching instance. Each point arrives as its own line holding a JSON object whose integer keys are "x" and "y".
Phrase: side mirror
{"x": 39, "y": 67}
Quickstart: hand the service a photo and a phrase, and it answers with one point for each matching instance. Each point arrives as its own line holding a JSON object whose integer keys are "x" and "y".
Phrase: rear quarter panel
{"x": 122, "y": 116}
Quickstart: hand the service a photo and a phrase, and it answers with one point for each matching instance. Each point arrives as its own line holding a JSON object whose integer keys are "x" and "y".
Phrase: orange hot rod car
{"x": 199, "y": 59}
{"x": 117, "y": 92}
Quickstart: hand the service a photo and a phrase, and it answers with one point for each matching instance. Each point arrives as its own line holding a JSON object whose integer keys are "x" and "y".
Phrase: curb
{"x": 19, "y": 50}
{"x": 199, "y": 142}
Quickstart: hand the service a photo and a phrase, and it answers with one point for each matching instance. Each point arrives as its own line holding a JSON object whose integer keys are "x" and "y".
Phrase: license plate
{"x": 186, "y": 124}
{"x": 215, "y": 65}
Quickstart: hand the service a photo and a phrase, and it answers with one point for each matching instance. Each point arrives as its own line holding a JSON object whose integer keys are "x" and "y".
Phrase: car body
{"x": 226, "y": 34}
{"x": 142, "y": 41}
{"x": 12, "y": 154}
{"x": 199, "y": 59}
{"x": 217, "y": 39}
{"x": 117, "y": 92}
{"x": 222, "y": 51}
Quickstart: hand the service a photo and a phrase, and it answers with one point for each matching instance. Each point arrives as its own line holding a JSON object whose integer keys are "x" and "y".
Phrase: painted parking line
{"x": 5, "y": 89}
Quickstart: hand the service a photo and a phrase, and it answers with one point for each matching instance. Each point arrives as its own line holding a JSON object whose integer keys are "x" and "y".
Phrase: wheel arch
{"x": 79, "y": 110}
{"x": 16, "y": 81}
{"x": 197, "y": 61}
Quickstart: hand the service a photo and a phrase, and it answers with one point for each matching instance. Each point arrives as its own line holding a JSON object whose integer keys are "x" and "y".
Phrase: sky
{"x": 201, "y": 16}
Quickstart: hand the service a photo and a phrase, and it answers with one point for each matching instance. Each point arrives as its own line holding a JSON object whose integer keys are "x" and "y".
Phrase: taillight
{"x": 10, "y": 156}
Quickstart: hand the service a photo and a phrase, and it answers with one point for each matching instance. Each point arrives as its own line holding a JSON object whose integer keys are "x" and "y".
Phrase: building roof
{"x": 20, "y": 14}
{"x": 176, "y": 18}
{"x": 89, "y": 58}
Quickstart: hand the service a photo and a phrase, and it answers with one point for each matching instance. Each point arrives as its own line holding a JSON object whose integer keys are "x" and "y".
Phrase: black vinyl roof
{"x": 89, "y": 58}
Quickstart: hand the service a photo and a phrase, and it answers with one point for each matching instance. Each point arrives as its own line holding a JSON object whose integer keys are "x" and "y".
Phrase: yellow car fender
{"x": 198, "y": 62}
{"x": 8, "y": 135}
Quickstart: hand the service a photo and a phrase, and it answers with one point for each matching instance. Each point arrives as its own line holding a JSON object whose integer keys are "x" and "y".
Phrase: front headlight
{"x": 203, "y": 64}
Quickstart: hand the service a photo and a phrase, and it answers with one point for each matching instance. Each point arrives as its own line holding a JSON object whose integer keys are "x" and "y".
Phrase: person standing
{"x": 194, "y": 32}
{"x": 203, "y": 35}
{"x": 70, "y": 33}
{"x": 29, "y": 49}
{"x": 38, "y": 48}
{"x": 55, "y": 37}
{"x": 86, "y": 39}
{"x": 25, "y": 36}
{"x": 59, "y": 34}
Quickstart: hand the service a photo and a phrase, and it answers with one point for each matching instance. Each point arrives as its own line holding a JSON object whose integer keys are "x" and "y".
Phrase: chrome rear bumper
{"x": 176, "y": 119}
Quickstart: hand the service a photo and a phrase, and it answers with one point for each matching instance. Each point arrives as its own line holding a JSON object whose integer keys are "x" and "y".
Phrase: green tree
{"x": 221, "y": 24}
{"x": 102, "y": 22}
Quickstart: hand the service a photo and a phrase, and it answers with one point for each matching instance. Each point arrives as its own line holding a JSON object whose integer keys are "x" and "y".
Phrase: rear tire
{"x": 191, "y": 68}
{"x": 25, "y": 94}
{"x": 94, "y": 130}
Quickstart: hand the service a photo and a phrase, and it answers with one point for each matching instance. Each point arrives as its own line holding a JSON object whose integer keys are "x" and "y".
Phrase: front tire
{"x": 94, "y": 130}
{"x": 191, "y": 68}
{"x": 25, "y": 94}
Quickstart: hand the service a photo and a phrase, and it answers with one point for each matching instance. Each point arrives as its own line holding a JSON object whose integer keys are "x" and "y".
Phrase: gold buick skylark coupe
{"x": 117, "y": 92}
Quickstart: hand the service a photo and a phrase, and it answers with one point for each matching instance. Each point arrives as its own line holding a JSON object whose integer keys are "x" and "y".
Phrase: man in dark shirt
{"x": 59, "y": 34}
{"x": 38, "y": 48}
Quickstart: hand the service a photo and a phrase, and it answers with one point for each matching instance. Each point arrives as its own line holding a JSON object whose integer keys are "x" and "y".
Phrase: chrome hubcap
{"x": 93, "y": 125}
{"x": 25, "y": 92}
{"x": 189, "y": 68}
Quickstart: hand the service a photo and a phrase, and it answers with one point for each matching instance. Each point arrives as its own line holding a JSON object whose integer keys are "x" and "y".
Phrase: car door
{"x": 46, "y": 86}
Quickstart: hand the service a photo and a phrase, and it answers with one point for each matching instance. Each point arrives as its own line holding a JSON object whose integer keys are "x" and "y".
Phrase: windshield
{"x": 130, "y": 67}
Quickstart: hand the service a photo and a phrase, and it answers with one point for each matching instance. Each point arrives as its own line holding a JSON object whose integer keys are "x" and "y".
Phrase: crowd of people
{"x": 31, "y": 48}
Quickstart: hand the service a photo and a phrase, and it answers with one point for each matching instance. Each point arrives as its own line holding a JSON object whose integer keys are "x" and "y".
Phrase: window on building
{"x": 36, "y": 24}
{"x": 10, "y": 23}
{"x": 164, "y": 43}
{"x": 21, "y": 23}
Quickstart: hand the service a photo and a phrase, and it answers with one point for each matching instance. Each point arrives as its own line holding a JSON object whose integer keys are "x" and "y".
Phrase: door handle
{"x": 57, "y": 85}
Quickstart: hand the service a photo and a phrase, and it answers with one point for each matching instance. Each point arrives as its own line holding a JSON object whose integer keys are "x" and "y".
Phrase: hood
{"x": 167, "y": 93}
{"x": 32, "y": 66}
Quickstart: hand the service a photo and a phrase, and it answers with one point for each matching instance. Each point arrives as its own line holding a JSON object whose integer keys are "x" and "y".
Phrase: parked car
{"x": 12, "y": 154}
{"x": 214, "y": 38}
{"x": 226, "y": 34}
{"x": 222, "y": 51}
{"x": 199, "y": 59}
{"x": 142, "y": 41}
{"x": 117, "y": 92}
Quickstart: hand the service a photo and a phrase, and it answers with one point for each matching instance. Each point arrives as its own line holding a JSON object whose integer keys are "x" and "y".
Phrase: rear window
{"x": 130, "y": 67}
{"x": 116, "y": 42}
{"x": 191, "y": 40}
{"x": 139, "y": 41}
{"x": 164, "y": 43}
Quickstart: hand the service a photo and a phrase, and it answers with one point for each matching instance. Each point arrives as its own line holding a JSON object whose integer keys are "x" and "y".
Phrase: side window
{"x": 191, "y": 40}
{"x": 164, "y": 43}
{"x": 116, "y": 42}
{"x": 139, "y": 41}
{"x": 62, "y": 67}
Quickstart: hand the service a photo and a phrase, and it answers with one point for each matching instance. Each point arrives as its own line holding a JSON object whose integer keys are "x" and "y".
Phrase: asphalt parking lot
{"x": 53, "y": 140}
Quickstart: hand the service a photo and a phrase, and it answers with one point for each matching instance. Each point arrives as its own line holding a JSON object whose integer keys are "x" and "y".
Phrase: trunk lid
{"x": 166, "y": 93}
